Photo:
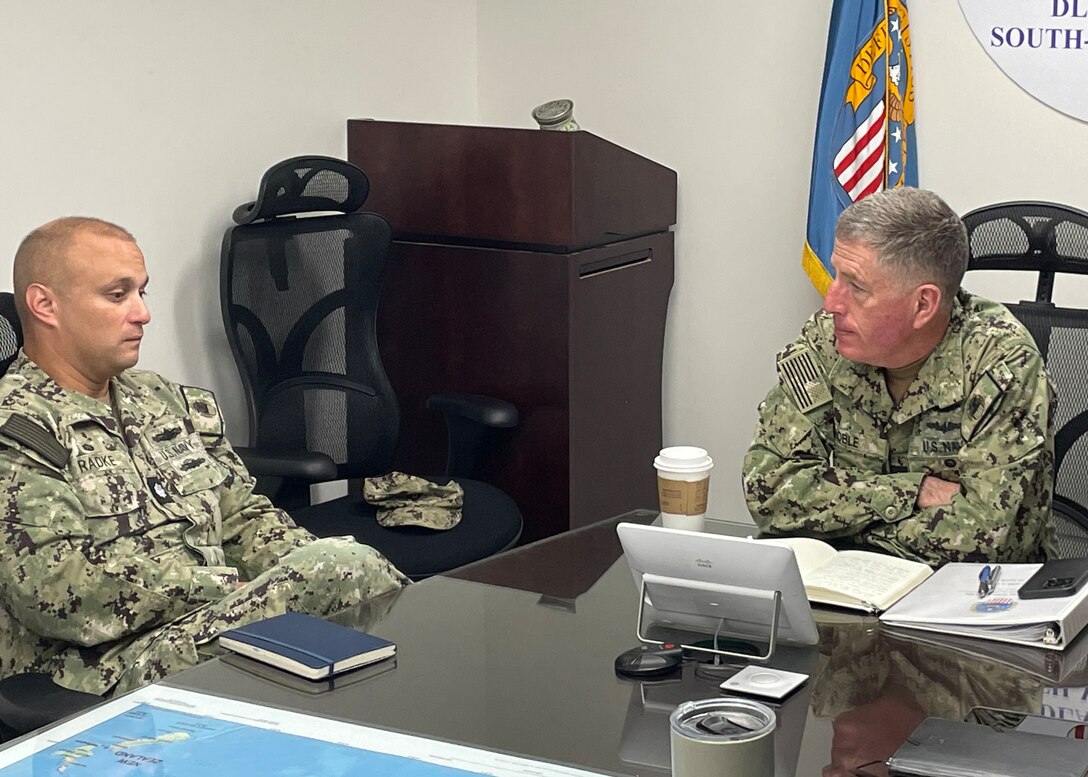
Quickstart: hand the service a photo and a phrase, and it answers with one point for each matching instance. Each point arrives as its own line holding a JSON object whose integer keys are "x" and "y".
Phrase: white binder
{"x": 948, "y": 602}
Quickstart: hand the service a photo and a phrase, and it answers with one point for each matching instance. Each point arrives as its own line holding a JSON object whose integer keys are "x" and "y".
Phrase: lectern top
{"x": 494, "y": 185}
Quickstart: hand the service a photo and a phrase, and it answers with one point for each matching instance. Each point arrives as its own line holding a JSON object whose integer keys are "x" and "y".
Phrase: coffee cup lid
{"x": 683, "y": 458}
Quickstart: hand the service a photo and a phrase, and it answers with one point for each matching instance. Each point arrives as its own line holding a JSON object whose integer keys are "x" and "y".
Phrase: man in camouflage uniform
{"x": 909, "y": 416}
{"x": 130, "y": 536}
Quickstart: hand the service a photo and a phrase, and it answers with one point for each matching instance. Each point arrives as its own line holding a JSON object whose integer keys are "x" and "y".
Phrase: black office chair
{"x": 1047, "y": 238}
{"x": 11, "y": 331}
{"x": 32, "y": 700}
{"x": 300, "y": 300}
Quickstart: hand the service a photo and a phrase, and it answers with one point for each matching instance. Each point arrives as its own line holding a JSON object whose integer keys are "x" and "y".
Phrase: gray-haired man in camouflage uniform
{"x": 130, "y": 534}
{"x": 909, "y": 416}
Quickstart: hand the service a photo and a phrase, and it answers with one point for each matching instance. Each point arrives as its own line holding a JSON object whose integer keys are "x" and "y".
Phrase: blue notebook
{"x": 307, "y": 646}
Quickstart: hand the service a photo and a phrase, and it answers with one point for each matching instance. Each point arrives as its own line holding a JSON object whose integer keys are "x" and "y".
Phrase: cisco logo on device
{"x": 704, "y": 563}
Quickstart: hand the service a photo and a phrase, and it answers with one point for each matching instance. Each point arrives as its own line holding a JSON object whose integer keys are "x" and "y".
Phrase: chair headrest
{"x": 1028, "y": 235}
{"x": 11, "y": 331}
{"x": 306, "y": 184}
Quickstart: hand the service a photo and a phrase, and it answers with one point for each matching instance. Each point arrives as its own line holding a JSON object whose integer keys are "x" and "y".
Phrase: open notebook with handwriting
{"x": 858, "y": 579}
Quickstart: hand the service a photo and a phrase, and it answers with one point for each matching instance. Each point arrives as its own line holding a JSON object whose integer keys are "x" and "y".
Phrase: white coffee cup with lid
{"x": 683, "y": 486}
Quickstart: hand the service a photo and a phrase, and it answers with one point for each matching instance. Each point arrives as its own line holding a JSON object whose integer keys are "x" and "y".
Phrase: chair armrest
{"x": 486, "y": 411}
{"x": 32, "y": 700}
{"x": 1070, "y": 511}
{"x": 471, "y": 421}
{"x": 1070, "y": 523}
{"x": 307, "y": 465}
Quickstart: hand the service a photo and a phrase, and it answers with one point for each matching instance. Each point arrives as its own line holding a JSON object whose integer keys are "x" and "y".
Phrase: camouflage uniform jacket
{"x": 834, "y": 457}
{"x": 110, "y": 529}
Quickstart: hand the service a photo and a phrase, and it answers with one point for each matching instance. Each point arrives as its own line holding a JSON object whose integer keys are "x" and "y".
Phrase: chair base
{"x": 490, "y": 523}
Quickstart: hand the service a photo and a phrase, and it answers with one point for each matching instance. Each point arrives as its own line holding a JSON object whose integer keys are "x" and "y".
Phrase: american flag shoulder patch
{"x": 802, "y": 379}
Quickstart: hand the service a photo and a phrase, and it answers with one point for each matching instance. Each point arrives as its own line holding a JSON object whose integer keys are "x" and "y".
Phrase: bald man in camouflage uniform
{"x": 130, "y": 536}
{"x": 910, "y": 416}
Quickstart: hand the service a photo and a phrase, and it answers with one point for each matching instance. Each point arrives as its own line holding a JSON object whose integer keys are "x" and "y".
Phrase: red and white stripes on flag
{"x": 859, "y": 165}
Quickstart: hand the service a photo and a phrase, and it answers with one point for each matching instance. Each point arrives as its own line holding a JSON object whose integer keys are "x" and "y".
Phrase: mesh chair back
{"x": 1049, "y": 239}
{"x": 300, "y": 299}
{"x": 11, "y": 331}
{"x": 1062, "y": 336}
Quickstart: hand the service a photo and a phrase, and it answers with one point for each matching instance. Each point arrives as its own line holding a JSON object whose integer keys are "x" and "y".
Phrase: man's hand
{"x": 934, "y": 491}
{"x": 867, "y": 735}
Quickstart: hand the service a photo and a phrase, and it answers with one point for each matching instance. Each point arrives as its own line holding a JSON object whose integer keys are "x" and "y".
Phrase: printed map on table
{"x": 148, "y": 740}
{"x": 167, "y": 731}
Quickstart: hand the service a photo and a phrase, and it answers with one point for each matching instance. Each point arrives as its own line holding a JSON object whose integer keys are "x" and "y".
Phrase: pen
{"x": 987, "y": 579}
{"x": 984, "y": 581}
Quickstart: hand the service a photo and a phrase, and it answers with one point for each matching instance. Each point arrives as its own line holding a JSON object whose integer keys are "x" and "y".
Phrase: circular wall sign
{"x": 1042, "y": 45}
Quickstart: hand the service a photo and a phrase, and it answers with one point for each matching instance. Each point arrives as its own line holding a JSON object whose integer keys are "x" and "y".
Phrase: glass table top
{"x": 515, "y": 653}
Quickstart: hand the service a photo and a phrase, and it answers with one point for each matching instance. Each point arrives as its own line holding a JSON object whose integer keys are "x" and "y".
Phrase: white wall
{"x": 162, "y": 116}
{"x": 726, "y": 94}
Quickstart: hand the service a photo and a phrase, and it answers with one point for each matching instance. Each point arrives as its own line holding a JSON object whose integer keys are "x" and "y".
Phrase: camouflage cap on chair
{"x": 407, "y": 500}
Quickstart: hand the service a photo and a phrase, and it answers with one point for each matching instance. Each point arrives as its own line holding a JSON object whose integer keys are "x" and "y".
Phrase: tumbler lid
{"x": 553, "y": 112}
{"x": 722, "y": 720}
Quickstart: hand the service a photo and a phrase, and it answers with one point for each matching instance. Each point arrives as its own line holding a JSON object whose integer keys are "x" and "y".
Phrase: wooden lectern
{"x": 532, "y": 266}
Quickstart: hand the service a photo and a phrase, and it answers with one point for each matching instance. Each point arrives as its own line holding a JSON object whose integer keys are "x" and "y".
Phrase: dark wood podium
{"x": 535, "y": 267}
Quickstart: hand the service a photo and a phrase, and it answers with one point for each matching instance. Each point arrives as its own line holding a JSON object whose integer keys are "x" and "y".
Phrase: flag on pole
{"x": 865, "y": 125}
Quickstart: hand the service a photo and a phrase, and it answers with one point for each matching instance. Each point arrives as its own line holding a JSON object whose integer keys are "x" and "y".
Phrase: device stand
{"x": 710, "y": 595}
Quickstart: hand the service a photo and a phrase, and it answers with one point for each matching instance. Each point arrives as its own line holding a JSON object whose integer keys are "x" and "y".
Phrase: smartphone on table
{"x": 1057, "y": 577}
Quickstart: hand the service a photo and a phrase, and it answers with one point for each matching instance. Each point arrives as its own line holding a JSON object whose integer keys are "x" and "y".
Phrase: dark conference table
{"x": 515, "y": 653}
